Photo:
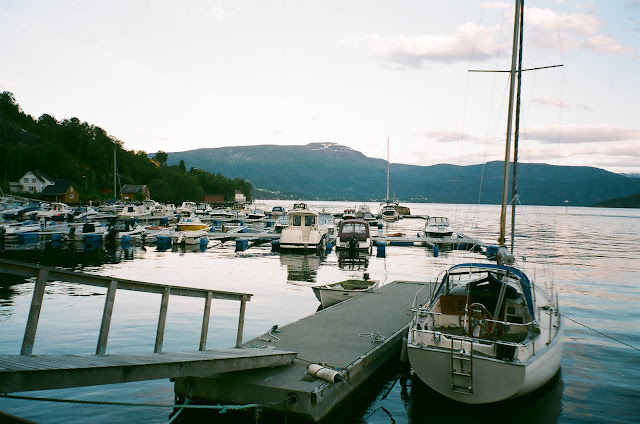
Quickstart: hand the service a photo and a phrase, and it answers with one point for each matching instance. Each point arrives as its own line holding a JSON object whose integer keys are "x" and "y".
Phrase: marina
{"x": 280, "y": 284}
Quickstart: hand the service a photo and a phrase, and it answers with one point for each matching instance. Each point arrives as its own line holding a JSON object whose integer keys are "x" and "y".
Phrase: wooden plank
{"x": 30, "y": 270}
{"x": 162, "y": 319}
{"x": 243, "y": 305}
{"x": 106, "y": 318}
{"x": 205, "y": 323}
{"x": 34, "y": 313}
{"x": 25, "y": 373}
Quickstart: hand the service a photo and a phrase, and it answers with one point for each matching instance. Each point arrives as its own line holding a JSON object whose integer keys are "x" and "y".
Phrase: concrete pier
{"x": 356, "y": 336}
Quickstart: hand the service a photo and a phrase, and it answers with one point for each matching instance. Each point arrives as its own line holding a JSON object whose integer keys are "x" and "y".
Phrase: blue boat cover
{"x": 525, "y": 284}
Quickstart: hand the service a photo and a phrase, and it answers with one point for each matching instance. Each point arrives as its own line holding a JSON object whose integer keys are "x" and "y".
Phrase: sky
{"x": 177, "y": 75}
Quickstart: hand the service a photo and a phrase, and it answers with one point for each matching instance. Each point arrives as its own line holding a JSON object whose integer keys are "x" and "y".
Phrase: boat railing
{"x": 415, "y": 306}
{"x": 43, "y": 275}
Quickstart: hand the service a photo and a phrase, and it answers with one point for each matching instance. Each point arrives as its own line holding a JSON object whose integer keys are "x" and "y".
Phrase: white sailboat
{"x": 488, "y": 333}
{"x": 388, "y": 210}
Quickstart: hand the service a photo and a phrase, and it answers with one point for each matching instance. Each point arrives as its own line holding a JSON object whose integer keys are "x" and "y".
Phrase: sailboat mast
{"x": 387, "y": 169}
{"x": 516, "y": 136}
{"x": 115, "y": 195}
{"x": 507, "y": 155}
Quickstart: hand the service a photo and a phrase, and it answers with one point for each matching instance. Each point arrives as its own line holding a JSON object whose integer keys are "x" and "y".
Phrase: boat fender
{"x": 324, "y": 373}
{"x": 435, "y": 250}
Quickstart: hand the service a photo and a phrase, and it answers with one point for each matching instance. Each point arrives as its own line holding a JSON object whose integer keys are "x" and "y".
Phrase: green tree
{"x": 161, "y": 157}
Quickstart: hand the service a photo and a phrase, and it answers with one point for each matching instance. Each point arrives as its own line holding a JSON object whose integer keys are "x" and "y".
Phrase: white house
{"x": 240, "y": 198}
{"x": 35, "y": 181}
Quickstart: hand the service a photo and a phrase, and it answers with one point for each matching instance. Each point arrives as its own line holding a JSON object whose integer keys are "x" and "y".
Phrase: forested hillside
{"x": 83, "y": 154}
{"x": 331, "y": 171}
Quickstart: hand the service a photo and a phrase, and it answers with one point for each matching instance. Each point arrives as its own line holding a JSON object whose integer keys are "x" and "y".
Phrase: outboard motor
{"x": 112, "y": 233}
{"x": 353, "y": 243}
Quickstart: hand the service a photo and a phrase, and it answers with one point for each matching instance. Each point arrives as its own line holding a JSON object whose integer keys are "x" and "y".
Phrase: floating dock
{"x": 356, "y": 336}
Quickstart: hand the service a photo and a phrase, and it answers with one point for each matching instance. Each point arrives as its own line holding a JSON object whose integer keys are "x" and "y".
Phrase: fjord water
{"x": 591, "y": 256}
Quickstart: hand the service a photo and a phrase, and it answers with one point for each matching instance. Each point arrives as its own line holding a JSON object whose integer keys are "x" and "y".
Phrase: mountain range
{"x": 329, "y": 171}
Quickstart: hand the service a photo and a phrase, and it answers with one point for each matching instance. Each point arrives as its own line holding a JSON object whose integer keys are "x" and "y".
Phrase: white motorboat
{"x": 121, "y": 228}
{"x": 255, "y": 214}
{"x": 87, "y": 230}
{"x": 438, "y": 226}
{"x": 353, "y": 234}
{"x": 152, "y": 232}
{"x": 189, "y": 237}
{"x": 277, "y": 211}
{"x": 330, "y": 294}
{"x": 281, "y": 223}
{"x": 363, "y": 210}
{"x": 57, "y": 210}
{"x": 223, "y": 214}
{"x": 187, "y": 207}
{"x": 303, "y": 232}
{"x": 488, "y": 333}
{"x": 133, "y": 212}
{"x": 388, "y": 212}
{"x": 328, "y": 222}
{"x": 203, "y": 210}
{"x": 349, "y": 213}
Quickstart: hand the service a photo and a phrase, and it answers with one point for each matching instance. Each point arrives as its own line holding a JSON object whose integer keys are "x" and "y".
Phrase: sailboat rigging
{"x": 488, "y": 333}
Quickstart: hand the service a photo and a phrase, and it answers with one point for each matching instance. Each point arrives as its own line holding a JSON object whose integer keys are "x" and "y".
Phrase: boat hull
{"x": 492, "y": 380}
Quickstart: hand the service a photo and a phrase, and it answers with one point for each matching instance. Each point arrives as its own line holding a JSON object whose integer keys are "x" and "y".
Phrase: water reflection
{"x": 350, "y": 260}
{"x": 540, "y": 407}
{"x": 301, "y": 267}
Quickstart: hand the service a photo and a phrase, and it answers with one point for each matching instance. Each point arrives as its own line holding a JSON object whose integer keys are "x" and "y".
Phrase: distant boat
{"x": 256, "y": 214}
{"x": 277, "y": 211}
{"x": 134, "y": 212}
{"x": 187, "y": 207}
{"x": 438, "y": 226}
{"x": 363, "y": 210}
{"x": 349, "y": 213}
{"x": 330, "y": 294}
{"x": 57, "y": 210}
{"x": 190, "y": 222}
{"x": 389, "y": 212}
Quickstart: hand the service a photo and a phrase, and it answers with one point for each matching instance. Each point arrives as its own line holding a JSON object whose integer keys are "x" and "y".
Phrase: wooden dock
{"x": 19, "y": 373}
{"x": 25, "y": 372}
{"x": 356, "y": 336}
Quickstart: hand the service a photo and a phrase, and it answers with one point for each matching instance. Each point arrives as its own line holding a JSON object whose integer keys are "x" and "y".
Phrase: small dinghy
{"x": 332, "y": 293}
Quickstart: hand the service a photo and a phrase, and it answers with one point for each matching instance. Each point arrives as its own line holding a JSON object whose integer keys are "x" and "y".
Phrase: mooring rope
{"x": 601, "y": 333}
{"x": 221, "y": 408}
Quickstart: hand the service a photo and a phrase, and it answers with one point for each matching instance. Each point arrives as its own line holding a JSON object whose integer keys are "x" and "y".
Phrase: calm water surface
{"x": 591, "y": 256}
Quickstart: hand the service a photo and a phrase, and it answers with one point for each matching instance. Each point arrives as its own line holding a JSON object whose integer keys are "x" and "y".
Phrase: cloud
{"x": 606, "y": 44}
{"x": 558, "y": 102}
{"x": 576, "y": 30}
{"x": 544, "y": 29}
{"x": 582, "y": 134}
{"x": 415, "y": 51}
{"x": 445, "y": 136}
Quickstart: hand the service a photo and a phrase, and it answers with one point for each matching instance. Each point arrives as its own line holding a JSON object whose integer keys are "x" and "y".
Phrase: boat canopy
{"x": 473, "y": 268}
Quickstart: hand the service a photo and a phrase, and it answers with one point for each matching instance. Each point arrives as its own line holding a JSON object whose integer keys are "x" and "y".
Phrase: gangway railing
{"x": 44, "y": 275}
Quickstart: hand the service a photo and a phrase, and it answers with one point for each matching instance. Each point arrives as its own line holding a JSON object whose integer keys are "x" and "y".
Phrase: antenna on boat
{"x": 387, "y": 169}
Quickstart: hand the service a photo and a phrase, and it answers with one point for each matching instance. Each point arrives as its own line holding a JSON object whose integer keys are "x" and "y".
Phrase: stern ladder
{"x": 462, "y": 369}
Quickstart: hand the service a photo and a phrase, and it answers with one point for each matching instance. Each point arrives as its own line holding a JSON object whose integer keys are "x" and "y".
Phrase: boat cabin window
{"x": 351, "y": 227}
{"x": 296, "y": 220}
{"x": 309, "y": 220}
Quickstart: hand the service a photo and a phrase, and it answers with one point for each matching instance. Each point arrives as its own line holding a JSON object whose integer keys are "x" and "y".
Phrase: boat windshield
{"x": 354, "y": 227}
